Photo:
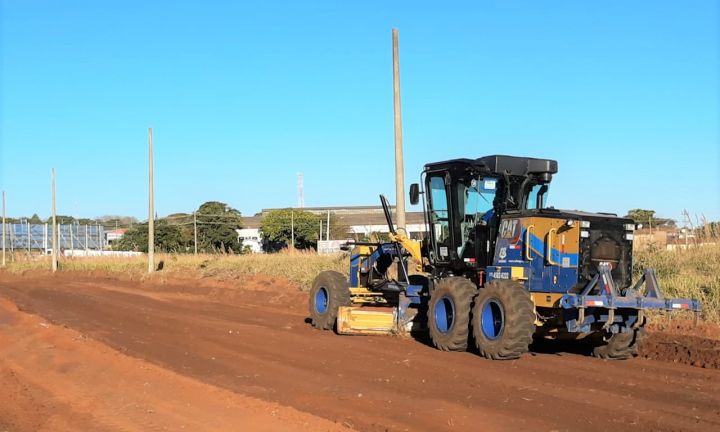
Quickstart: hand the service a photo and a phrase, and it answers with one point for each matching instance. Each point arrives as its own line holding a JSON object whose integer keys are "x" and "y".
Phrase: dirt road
{"x": 247, "y": 343}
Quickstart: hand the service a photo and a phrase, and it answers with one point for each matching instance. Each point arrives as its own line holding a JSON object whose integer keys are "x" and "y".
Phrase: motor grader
{"x": 497, "y": 268}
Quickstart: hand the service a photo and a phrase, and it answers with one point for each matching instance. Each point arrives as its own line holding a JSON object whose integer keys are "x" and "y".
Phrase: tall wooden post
{"x": 54, "y": 227}
{"x": 3, "y": 230}
{"x": 327, "y": 227}
{"x": 399, "y": 168}
{"x": 292, "y": 230}
{"x": 195, "y": 230}
{"x": 151, "y": 207}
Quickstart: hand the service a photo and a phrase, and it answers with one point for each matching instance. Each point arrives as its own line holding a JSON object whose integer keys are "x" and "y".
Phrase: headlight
{"x": 629, "y": 227}
{"x": 584, "y": 224}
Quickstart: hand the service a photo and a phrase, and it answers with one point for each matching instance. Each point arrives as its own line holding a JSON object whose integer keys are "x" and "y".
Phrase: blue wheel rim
{"x": 492, "y": 319}
{"x": 321, "y": 300}
{"x": 444, "y": 314}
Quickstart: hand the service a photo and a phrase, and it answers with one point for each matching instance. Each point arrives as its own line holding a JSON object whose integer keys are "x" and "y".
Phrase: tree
{"x": 338, "y": 228}
{"x": 62, "y": 220}
{"x": 641, "y": 216}
{"x": 277, "y": 227}
{"x": 35, "y": 219}
{"x": 117, "y": 221}
{"x": 216, "y": 227}
{"x": 168, "y": 238}
{"x": 648, "y": 219}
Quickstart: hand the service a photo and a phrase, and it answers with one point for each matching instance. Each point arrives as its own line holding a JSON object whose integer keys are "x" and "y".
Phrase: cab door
{"x": 439, "y": 216}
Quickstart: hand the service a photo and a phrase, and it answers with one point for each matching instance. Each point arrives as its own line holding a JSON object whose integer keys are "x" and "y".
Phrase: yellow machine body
{"x": 366, "y": 320}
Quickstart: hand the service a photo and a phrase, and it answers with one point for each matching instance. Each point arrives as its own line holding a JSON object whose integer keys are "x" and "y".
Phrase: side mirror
{"x": 414, "y": 193}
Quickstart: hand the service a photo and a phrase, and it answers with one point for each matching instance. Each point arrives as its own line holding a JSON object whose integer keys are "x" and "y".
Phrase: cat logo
{"x": 508, "y": 228}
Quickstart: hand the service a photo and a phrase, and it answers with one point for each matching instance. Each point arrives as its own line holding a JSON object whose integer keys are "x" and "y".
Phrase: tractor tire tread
{"x": 620, "y": 346}
{"x": 519, "y": 321}
{"x": 463, "y": 291}
{"x": 338, "y": 295}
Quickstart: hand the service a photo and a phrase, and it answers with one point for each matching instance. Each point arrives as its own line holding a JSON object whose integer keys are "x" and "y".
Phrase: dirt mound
{"x": 683, "y": 341}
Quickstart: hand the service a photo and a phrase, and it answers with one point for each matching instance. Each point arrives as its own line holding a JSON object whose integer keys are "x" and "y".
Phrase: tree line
{"x": 217, "y": 225}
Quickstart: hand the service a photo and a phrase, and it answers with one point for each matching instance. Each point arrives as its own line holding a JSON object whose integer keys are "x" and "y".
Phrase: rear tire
{"x": 449, "y": 313}
{"x": 503, "y": 320}
{"x": 329, "y": 292}
{"x": 619, "y": 346}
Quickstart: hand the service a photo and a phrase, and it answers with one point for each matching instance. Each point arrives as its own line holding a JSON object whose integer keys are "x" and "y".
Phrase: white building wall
{"x": 251, "y": 237}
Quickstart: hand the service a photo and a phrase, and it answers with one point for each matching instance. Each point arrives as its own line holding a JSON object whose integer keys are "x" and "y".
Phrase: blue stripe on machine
{"x": 538, "y": 246}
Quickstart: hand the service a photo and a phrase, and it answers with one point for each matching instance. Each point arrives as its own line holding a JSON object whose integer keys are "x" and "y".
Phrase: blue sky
{"x": 244, "y": 95}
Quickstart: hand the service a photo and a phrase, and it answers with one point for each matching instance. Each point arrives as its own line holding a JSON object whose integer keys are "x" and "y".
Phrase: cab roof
{"x": 499, "y": 164}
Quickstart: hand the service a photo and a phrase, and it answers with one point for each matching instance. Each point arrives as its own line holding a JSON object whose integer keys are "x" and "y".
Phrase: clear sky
{"x": 242, "y": 96}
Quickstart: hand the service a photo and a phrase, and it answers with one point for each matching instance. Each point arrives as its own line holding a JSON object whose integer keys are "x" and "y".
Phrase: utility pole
{"x": 151, "y": 206}
{"x": 27, "y": 224}
{"x": 195, "y": 230}
{"x": 399, "y": 168}
{"x": 327, "y": 227}
{"x": 3, "y": 231}
{"x": 292, "y": 230}
{"x": 54, "y": 227}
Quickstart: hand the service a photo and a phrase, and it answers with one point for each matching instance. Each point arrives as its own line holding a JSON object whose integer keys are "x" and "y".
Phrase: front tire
{"x": 329, "y": 292}
{"x": 503, "y": 320}
{"x": 619, "y": 346}
{"x": 449, "y": 313}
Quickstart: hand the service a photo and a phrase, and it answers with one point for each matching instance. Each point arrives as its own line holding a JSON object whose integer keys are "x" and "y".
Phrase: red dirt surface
{"x": 56, "y": 379}
{"x": 681, "y": 341}
{"x": 210, "y": 345}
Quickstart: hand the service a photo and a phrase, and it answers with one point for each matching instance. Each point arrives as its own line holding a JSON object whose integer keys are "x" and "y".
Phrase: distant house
{"x": 251, "y": 237}
{"x": 111, "y": 237}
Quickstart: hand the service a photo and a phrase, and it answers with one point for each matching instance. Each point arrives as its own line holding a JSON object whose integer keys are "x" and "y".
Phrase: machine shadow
{"x": 537, "y": 347}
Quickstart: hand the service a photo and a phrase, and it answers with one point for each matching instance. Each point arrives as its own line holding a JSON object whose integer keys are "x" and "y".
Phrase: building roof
{"x": 348, "y": 216}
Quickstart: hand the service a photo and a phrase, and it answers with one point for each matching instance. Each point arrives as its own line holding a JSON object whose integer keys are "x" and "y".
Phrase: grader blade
{"x": 366, "y": 320}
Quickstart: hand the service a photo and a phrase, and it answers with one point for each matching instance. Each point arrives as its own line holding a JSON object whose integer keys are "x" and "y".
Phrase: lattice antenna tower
{"x": 301, "y": 192}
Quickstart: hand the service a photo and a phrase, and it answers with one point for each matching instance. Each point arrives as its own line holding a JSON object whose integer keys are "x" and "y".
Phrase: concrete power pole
{"x": 54, "y": 227}
{"x": 399, "y": 168}
{"x": 292, "y": 230}
{"x": 3, "y": 231}
{"x": 151, "y": 206}
{"x": 195, "y": 230}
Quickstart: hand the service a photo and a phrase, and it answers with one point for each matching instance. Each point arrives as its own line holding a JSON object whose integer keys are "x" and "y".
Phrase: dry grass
{"x": 693, "y": 273}
{"x": 300, "y": 267}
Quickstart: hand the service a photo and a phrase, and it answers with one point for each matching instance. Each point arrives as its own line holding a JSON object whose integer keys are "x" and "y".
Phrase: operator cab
{"x": 465, "y": 199}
